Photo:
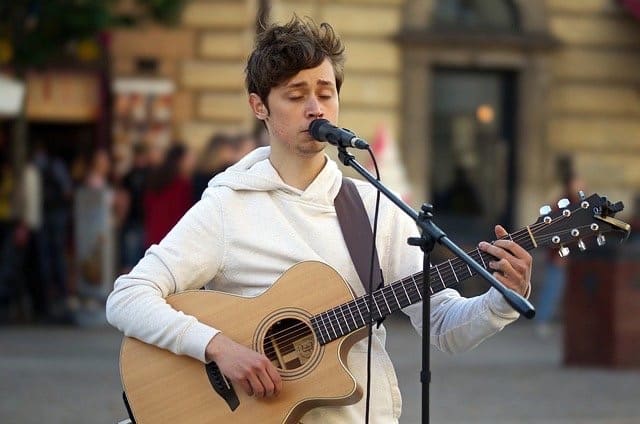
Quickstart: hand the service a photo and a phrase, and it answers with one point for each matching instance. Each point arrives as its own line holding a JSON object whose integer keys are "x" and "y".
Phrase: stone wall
{"x": 594, "y": 99}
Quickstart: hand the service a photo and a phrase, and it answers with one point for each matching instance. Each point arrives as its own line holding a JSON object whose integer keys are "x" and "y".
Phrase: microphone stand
{"x": 430, "y": 235}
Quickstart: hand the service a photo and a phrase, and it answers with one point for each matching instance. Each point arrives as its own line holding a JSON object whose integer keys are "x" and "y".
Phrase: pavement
{"x": 70, "y": 375}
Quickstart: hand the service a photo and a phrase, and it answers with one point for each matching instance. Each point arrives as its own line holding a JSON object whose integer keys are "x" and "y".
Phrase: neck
{"x": 298, "y": 171}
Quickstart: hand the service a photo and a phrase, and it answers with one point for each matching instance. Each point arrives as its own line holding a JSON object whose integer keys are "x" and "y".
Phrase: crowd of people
{"x": 41, "y": 267}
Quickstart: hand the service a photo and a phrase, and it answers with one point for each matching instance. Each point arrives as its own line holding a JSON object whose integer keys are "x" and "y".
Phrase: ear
{"x": 258, "y": 107}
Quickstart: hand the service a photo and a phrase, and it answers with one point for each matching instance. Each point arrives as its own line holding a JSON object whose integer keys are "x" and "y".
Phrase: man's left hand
{"x": 512, "y": 266}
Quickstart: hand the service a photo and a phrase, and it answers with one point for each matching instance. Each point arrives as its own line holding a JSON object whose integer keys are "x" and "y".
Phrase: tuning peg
{"x": 564, "y": 251}
{"x": 545, "y": 210}
{"x": 582, "y": 246}
{"x": 581, "y": 195}
{"x": 601, "y": 240}
{"x": 563, "y": 203}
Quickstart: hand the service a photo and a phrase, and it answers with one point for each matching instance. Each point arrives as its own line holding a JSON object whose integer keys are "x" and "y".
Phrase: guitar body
{"x": 162, "y": 387}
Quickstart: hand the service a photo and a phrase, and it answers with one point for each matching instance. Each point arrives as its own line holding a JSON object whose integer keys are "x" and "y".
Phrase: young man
{"x": 275, "y": 208}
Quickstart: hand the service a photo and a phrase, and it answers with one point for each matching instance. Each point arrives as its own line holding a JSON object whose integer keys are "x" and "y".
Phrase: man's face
{"x": 309, "y": 95}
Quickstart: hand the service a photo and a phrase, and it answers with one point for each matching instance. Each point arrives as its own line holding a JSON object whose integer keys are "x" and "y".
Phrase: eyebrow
{"x": 302, "y": 84}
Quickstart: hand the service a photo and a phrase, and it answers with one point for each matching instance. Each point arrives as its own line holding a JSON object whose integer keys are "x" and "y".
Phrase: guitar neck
{"x": 348, "y": 317}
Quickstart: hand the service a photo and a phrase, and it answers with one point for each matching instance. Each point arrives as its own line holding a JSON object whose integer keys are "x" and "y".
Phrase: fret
{"x": 346, "y": 320}
{"x": 360, "y": 313}
{"x": 405, "y": 292}
{"x": 439, "y": 275}
{"x": 377, "y": 307}
{"x": 396, "y": 297}
{"x": 324, "y": 339}
{"x": 314, "y": 325}
{"x": 342, "y": 332}
{"x": 332, "y": 327}
{"x": 417, "y": 289}
{"x": 469, "y": 269}
{"x": 365, "y": 301}
{"x": 481, "y": 258}
{"x": 385, "y": 300}
{"x": 325, "y": 320}
{"x": 454, "y": 271}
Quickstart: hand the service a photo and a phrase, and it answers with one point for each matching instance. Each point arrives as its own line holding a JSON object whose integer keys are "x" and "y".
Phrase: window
{"x": 492, "y": 15}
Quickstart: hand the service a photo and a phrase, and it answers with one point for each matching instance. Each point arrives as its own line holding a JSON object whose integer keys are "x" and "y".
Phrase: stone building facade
{"x": 566, "y": 78}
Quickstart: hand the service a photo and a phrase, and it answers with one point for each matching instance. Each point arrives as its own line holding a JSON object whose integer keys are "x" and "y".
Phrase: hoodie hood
{"x": 254, "y": 172}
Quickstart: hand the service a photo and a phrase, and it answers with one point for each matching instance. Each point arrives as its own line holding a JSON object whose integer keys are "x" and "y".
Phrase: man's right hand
{"x": 251, "y": 370}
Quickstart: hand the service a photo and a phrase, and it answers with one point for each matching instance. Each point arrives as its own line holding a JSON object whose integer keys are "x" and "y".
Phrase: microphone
{"x": 323, "y": 130}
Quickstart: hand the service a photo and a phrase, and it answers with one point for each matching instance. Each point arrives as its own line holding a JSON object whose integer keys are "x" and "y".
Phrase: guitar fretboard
{"x": 348, "y": 317}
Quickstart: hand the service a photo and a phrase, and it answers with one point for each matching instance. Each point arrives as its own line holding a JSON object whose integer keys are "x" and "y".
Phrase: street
{"x": 70, "y": 375}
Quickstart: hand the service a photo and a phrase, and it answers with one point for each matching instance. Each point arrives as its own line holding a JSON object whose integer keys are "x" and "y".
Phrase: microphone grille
{"x": 315, "y": 128}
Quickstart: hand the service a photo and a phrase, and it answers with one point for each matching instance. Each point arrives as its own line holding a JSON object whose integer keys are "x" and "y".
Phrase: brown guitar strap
{"x": 357, "y": 233}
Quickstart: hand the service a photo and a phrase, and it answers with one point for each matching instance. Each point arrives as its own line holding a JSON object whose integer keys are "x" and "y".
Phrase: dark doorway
{"x": 472, "y": 156}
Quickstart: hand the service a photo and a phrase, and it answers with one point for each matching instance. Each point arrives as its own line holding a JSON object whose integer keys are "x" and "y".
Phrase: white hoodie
{"x": 248, "y": 229}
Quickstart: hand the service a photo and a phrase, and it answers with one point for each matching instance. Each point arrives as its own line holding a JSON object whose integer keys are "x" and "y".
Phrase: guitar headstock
{"x": 575, "y": 223}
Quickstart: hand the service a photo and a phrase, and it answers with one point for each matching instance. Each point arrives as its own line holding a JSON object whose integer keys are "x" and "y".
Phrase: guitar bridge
{"x": 221, "y": 385}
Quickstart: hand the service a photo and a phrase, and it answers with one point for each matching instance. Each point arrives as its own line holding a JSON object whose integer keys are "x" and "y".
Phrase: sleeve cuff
{"x": 196, "y": 339}
{"x": 499, "y": 306}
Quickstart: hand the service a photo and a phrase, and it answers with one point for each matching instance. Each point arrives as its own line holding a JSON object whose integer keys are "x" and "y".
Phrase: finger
{"x": 510, "y": 276}
{"x": 275, "y": 378}
{"x": 493, "y": 250}
{"x": 504, "y": 280}
{"x": 246, "y": 386}
{"x": 268, "y": 385}
{"x": 513, "y": 247}
{"x": 503, "y": 249}
{"x": 500, "y": 231}
{"x": 504, "y": 266}
{"x": 256, "y": 385}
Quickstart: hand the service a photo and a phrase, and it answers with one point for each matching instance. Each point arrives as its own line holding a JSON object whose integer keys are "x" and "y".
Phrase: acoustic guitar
{"x": 308, "y": 333}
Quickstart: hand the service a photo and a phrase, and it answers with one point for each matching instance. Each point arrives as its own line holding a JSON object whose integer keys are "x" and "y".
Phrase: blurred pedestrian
{"x": 132, "y": 227}
{"x": 57, "y": 196}
{"x": 222, "y": 151}
{"x": 169, "y": 193}
{"x": 246, "y": 143}
{"x": 93, "y": 240}
{"x": 31, "y": 212}
{"x": 219, "y": 154}
{"x": 554, "y": 282}
{"x": 7, "y": 227}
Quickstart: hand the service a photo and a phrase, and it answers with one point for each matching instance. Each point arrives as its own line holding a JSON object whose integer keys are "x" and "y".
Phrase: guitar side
{"x": 164, "y": 387}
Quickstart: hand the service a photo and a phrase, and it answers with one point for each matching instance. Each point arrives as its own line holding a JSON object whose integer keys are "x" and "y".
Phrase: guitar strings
{"x": 325, "y": 317}
{"x": 301, "y": 328}
{"x": 290, "y": 333}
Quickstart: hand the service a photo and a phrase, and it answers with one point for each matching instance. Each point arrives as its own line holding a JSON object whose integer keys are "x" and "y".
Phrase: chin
{"x": 310, "y": 148}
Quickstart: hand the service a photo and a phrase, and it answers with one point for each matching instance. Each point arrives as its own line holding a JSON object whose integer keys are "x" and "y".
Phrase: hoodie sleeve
{"x": 187, "y": 258}
{"x": 458, "y": 324}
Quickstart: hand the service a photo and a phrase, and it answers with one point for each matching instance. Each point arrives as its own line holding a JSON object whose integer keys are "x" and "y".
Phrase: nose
{"x": 313, "y": 108}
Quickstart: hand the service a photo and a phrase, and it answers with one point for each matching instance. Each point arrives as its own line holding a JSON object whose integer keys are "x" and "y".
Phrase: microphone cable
{"x": 370, "y": 300}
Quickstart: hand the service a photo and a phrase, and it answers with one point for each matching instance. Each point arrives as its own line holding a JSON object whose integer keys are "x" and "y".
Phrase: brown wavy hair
{"x": 282, "y": 51}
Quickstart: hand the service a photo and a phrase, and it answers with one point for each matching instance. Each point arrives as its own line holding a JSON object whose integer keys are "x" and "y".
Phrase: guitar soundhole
{"x": 289, "y": 344}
